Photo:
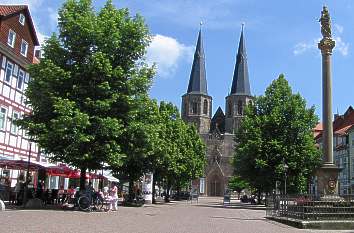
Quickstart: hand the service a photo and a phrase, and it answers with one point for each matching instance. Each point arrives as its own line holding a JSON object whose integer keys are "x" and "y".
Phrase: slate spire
{"x": 240, "y": 81}
{"x": 197, "y": 81}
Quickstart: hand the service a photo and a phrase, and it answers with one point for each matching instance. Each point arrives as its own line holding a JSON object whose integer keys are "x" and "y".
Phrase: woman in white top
{"x": 114, "y": 198}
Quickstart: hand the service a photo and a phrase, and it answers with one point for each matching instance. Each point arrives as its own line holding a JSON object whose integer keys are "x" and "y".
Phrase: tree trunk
{"x": 153, "y": 189}
{"x": 259, "y": 197}
{"x": 167, "y": 196}
{"x": 131, "y": 190}
{"x": 82, "y": 178}
{"x": 178, "y": 189}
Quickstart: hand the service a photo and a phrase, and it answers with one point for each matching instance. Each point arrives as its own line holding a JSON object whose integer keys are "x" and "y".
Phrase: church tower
{"x": 240, "y": 93}
{"x": 196, "y": 103}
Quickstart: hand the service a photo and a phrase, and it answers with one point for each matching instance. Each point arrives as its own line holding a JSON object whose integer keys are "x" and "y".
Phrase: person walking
{"x": 113, "y": 198}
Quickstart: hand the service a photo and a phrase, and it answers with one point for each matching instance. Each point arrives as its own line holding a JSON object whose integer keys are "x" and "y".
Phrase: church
{"x": 217, "y": 131}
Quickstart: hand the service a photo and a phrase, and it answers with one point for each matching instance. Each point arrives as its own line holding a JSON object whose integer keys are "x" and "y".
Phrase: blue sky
{"x": 281, "y": 37}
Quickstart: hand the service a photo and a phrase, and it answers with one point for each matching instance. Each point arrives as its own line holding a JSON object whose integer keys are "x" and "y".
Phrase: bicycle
{"x": 92, "y": 201}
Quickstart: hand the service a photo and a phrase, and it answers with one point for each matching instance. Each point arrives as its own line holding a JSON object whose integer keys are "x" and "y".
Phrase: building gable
{"x": 9, "y": 20}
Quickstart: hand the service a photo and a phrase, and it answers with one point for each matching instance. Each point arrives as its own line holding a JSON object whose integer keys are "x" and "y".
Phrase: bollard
{"x": 2, "y": 205}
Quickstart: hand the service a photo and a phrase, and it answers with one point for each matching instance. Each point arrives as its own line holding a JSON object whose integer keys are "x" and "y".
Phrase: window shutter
{"x": 3, "y": 62}
{"x": 26, "y": 77}
{"x": 15, "y": 72}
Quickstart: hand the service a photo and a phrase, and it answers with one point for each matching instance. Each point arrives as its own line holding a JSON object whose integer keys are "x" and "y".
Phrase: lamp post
{"x": 285, "y": 166}
{"x": 27, "y": 175}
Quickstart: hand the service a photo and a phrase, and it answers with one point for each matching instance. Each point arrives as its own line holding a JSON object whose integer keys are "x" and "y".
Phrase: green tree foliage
{"x": 141, "y": 140}
{"x": 237, "y": 184}
{"x": 277, "y": 130}
{"x": 87, "y": 91}
{"x": 179, "y": 155}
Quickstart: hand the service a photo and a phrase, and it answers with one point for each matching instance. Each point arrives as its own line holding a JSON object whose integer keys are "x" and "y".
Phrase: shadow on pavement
{"x": 233, "y": 206}
{"x": 242, "y": 219}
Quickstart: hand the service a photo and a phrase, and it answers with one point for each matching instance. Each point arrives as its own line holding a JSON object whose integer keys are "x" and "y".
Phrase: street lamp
{"x": 24, "y": 199}
{"x": 285, "y": 166}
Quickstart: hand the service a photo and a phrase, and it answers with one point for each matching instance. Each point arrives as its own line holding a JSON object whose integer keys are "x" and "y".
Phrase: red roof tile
{"x": 6, "y": 10}
{"x": 343, "y": 130}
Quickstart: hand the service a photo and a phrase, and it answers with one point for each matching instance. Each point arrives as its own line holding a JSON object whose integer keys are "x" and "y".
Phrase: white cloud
{"x": 166, "y": 52}
{"x": 341, "y": 46}
{"x": 41, "y": 38}
{"x": 216, "y": 14}
{"x": 339, "y": 28}
{"x": 302, "y": 47}
{"x": 33, "y": 4}
{"x": 53, "y": 16}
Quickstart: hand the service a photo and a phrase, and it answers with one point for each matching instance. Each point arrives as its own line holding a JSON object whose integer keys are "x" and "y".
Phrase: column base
{"x": 327, "y": 179}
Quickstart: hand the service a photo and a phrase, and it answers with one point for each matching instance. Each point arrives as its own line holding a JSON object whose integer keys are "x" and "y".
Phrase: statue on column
{"x": 325, "y": 23}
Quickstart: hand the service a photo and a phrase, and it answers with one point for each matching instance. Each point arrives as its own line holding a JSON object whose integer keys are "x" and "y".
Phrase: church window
{"x": 230, "y": 109}
{"x": 194, "y": 108}
{"x": 240, "y": 108}
{"x": 205, "y": 107}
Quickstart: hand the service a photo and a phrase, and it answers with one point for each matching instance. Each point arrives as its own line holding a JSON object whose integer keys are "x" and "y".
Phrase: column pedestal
{"x": 327, "y": 179}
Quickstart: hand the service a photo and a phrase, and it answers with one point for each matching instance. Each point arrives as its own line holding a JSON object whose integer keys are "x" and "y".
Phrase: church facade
{"x": 217, "y": 131}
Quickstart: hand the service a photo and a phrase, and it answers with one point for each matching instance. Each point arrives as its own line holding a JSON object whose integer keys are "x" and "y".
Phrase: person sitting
{"x": 62, "y": 195}
{"x": 40, "y": 188}
{"x": 71, "y": 192}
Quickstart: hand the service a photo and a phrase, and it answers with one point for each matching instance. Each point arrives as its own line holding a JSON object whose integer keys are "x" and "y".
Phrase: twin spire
{"x": 197, "y": 81}
{"x": 240, "y": 83}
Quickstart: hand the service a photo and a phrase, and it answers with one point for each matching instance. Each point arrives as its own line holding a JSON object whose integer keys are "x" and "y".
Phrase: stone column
{"x": 327, "y": 174}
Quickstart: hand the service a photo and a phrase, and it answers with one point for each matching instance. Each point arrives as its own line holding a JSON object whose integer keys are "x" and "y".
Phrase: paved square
{"x": 209, "y": 216}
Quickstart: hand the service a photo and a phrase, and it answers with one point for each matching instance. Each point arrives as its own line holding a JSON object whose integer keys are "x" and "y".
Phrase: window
{"x": 20, "y": 79}
{"x": 27, "y": 78}
{"x": 2, "y": 118}
{"x": 230, "y": 109}
{"x": 22, "y": 19}
{"x": 194, "y": 108}
{"x": 14, "y": 127}
{"x": 11, "y": 38}
{"x": 24, "y": 48}
{"x": 240, "y": 108}
{"x": 205, "y": 107}
{"x": 8, "y": 73}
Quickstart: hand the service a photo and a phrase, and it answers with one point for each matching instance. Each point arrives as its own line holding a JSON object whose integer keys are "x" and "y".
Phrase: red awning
{"x": 60, "y": 170}
{"x": 19, "y": 165}
{"x": 76, "y": 175}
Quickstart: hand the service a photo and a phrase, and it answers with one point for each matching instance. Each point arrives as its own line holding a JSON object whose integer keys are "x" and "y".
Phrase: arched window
{"x": 205, "y": 107}
{"x": 240, "y": 107}
{"x": 194, "y": 108}
{"x": 230, "y": 109}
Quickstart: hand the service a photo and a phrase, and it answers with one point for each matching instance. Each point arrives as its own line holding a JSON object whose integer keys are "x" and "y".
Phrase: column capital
{"x": 326, "y": 45}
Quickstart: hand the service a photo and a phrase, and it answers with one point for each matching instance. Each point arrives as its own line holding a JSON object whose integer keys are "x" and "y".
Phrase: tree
{"x": 179, "y": 152}
{"x": 277, "y": 130}
{"x": 187, "y": 160}
{"x": 86, "y": 92}
{"x": 141, "y": 140}
{"x": 237, "y": 184}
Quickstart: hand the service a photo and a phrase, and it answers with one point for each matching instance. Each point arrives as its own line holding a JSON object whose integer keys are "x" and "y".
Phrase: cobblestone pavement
{"x": 208, "y": 216}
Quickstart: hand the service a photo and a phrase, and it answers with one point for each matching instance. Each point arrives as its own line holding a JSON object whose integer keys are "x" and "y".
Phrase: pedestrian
{"x": 113, "y": 197}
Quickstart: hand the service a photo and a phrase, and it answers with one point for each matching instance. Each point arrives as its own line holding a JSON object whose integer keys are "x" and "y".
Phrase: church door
{"x": 215, "y": 187}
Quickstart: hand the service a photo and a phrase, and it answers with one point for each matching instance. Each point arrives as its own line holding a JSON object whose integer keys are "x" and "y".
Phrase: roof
{"x": 240, "y": 81}
{"x": 218, "y": 121}
{"x": 197, "y": 81}
{"x": 318, "y": 129}
{"x": 9, "y": 10}
{"x": 342, "y": 124}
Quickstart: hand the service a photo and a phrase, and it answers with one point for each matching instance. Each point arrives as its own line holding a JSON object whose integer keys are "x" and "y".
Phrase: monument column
{"x": 327, "y": 174}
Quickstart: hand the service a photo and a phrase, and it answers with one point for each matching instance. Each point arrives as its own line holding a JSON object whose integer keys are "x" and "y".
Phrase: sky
{"x": 281, "y": 37}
